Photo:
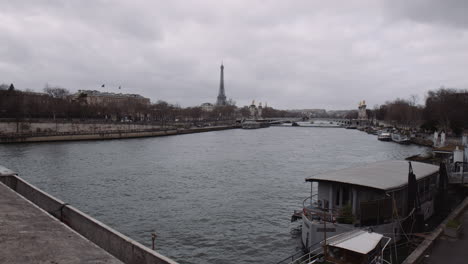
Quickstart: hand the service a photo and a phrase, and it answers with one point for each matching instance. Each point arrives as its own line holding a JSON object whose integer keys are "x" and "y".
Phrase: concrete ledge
{"x": 417, "y": 255}
{"x": 115, "y": 243}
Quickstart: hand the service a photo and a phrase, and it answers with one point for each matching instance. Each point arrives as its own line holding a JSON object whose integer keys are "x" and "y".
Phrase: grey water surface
{"x": 215, "y": 197}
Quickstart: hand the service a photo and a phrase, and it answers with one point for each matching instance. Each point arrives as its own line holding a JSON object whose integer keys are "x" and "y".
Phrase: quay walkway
{"x": 29, "y": 234}
{"x": 36, "y": 227}
{"x": 438, "y": 248}
{"x": 451, "y": 250}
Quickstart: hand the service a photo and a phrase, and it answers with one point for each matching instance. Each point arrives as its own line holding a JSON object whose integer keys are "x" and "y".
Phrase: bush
{"x": 453, "y": 223}
{"x": 346, "y": 215}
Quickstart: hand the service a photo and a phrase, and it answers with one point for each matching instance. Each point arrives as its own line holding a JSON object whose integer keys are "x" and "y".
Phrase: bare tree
{"x": 56, "y": 92}
{"x": 446, "y": 109}
{"x": 4, "y": 87}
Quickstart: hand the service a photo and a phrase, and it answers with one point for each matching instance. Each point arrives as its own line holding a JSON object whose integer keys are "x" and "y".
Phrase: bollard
{"x": 153, "y": 238}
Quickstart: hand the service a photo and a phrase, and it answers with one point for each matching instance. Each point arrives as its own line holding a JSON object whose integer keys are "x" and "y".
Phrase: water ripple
{"x": 217, "y": 197}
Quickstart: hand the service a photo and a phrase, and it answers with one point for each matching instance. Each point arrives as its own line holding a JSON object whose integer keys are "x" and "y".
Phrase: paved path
{"x": 30, "y": 235}
{"x": 451, "y": 250}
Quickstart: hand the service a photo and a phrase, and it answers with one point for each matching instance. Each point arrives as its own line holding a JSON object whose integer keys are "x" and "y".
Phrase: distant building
{"x": 362, "y": 114}
{"x": 122, "y": 107}
{"x": 311, "y": 112}
{"x": 93, "y": 97}
{"x": 362, "y": 118}
{"x": 338, "y": 113}
{"x": 207, "y": 107}
{"x": 255, "y": 112}
{"x": 221, "y": 100}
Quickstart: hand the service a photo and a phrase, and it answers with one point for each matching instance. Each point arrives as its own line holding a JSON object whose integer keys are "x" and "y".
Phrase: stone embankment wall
{"x": 16, "y": 132}
{"x": 28, "y": 127}
{"x": 107, "y": 135}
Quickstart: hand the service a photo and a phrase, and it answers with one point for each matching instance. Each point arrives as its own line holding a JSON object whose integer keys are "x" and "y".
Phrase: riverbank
{"x": 103, "y": 135}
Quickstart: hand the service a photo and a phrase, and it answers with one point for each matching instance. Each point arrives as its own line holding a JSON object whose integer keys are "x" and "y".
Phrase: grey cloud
{"x": 293, "y": 54}
{"x": 446, "y": 12}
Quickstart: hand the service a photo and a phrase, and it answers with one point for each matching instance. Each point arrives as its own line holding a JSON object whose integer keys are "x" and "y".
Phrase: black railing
{"x": 299, "y": 254}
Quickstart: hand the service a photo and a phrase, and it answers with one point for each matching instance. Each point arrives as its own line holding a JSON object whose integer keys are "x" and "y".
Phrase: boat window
{"x": 346, "y": 199}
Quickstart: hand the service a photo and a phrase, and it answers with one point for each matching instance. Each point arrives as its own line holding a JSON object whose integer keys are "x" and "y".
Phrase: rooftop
{"x": 383, "y": 175}
{"x": 357, "y": 240}
{"x": 98, "y": 93}
{"x": 446, "y": 149}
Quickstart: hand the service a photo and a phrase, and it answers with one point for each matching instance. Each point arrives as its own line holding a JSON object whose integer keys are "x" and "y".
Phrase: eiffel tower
{"x": 221, "y": 96}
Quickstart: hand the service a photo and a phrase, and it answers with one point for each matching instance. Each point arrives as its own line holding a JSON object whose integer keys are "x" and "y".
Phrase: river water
{"x": 215, "y": 197}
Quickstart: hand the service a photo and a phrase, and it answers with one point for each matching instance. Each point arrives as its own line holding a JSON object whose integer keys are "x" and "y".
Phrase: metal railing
{"x": 311, "y": 199}
{"x": 313, "y": 210}
{"x": 310, "y": 257}
{"x": 300, "y": 255}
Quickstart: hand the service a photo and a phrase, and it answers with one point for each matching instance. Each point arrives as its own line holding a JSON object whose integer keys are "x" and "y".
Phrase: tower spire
{"x": 221, "y": 100}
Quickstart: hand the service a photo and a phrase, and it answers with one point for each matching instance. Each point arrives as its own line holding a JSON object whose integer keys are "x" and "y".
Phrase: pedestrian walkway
{"x": 451, "y": 250}
{"x": 28, "y": 234}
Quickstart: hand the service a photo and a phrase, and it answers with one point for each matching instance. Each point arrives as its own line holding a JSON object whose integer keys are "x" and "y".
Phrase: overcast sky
{"x": 291, "y": 54}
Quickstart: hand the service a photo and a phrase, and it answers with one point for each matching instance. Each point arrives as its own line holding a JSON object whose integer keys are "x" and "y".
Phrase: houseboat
{"x": 375, "y": 197}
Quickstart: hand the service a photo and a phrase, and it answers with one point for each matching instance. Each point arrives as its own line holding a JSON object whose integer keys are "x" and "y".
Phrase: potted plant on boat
{"x": 452, "y": 228}
{"x": 346, "y": 215}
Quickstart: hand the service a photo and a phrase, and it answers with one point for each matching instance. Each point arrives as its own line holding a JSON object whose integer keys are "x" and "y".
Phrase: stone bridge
{"x": 339, "y": 121}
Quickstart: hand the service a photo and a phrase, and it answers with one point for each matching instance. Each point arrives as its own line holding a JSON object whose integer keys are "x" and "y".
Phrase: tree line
{"x": 444, "y": 109}
{"x": 58, "y": 103}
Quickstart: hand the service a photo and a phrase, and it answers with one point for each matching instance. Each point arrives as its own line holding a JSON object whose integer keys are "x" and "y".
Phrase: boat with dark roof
{"x": 377, "y": 196}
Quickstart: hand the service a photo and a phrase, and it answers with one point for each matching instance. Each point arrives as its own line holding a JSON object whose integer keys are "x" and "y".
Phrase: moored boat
{"x": 375, "y": 196}
{"x": 384, "y": 136}
{"x": 351, "y": 247}
{"x": 400, "y": 138}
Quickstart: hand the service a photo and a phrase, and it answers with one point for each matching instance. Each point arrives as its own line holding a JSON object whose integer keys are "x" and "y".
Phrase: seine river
{"x": 215, "y": 197}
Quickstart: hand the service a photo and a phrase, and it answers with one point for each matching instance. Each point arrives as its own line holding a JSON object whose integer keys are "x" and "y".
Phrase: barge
{"x": 375, "y": 197}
